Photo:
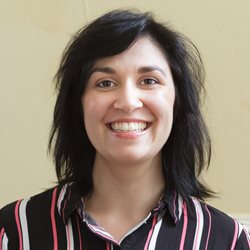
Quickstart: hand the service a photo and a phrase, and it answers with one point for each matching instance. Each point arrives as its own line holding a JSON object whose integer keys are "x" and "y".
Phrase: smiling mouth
{"x": 128, "y": 126}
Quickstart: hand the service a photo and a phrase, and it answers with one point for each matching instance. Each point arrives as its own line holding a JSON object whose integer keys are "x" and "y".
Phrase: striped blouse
{"x": 55, "y": 219}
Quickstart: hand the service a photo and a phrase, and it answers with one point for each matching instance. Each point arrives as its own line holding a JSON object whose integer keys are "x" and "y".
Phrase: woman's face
{"x": 128, "y": 103}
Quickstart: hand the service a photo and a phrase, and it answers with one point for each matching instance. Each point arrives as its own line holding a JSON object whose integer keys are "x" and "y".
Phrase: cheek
{"x": 88, "y": 111}
{"x": 88, "y": 105}
{"x": 90, "y": 117}
{"x": 94, "y": 108}
{"x": 161, "y": 104}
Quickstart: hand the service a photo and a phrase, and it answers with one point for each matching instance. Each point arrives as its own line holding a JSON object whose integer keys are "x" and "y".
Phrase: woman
{"x": 129, "y": 143}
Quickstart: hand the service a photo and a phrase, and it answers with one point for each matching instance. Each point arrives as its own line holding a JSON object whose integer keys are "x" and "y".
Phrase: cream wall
{"x": 33, "y": 35}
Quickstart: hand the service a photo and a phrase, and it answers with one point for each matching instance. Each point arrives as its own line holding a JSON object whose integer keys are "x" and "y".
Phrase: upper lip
{"x": 128, "y": 120}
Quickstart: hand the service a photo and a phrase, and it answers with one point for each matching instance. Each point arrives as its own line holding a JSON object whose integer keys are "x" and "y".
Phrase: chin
{"x": 132, "y": 157}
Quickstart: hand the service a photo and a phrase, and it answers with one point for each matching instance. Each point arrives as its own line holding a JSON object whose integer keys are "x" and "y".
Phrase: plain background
{"x": 33, "y": 36}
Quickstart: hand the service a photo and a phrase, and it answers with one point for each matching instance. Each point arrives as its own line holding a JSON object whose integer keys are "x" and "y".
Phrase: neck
{"x": 128, "y": 189}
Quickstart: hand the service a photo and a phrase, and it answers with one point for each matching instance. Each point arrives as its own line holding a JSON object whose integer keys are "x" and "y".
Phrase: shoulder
{"x": 221, "y": 228}
{"x": 30, "y": 218}
{"x": 39, "y": 200}
{"x": 15, "y": 217}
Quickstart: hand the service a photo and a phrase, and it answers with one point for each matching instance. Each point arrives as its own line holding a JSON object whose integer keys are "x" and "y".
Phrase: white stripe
{"x": 5, "y": 242}
{"x": 243, "y": 218}
{"x": 24, "y": 225}
{"x": 200, "y": 223}
{"x": 100, "y": 230}
{"x": 154, "y": 237}
{"x": 180, "y": 205}
{"x": 111, "y": 247}
{"x": 61, "y": 197}
{"x": 240, "y": 228}
{"x": 70, "y": 238}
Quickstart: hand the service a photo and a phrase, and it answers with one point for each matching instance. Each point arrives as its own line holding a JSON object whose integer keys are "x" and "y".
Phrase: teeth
{"x": 131, "y": 126}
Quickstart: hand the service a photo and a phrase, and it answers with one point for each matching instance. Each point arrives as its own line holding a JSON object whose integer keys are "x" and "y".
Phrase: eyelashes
{"x": 150, "y": 81}
{"x": 106, "y": 84}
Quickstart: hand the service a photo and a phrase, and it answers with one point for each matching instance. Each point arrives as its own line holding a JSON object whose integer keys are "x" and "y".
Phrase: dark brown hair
{"x": 188, "y": 148}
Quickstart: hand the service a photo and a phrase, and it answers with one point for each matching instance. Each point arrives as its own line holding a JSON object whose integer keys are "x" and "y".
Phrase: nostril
{"x": 139, "y": 104}
{"x": 128, "y": 106}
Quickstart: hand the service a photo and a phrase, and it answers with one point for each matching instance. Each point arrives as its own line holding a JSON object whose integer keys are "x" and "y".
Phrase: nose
{"x": 128, "y": 99}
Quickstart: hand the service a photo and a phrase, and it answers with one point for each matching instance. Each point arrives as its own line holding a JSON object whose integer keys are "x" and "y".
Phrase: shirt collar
{"x": 69, "y": 200}
{"x": 174, "y": 204}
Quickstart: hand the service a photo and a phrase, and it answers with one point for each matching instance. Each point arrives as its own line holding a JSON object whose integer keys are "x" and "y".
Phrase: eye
{"x": 149, "y": 81}
{"x": 105, "y": 84}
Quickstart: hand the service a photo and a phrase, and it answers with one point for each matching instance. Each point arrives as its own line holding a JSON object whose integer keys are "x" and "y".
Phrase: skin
{"x": 134, "y": 86}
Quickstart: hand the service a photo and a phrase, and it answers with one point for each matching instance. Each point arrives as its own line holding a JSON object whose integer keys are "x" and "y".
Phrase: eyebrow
{"x": 107, "y": 70}
{"x": 146, "y": 69}
{"x": 143, "y": 69}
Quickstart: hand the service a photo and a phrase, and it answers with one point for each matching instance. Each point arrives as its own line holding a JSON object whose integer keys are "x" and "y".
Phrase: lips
{"x": 128, "y": 126}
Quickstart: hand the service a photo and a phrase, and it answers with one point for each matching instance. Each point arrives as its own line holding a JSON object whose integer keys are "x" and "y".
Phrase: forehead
{"x": 144, "y": 51}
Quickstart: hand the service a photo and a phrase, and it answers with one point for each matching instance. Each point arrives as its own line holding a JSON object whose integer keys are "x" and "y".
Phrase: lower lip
{"x": 128, "y": 135}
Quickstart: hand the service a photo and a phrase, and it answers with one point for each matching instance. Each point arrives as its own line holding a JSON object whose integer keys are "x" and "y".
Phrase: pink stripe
{"x": 209, "y": 226}
{"x": 18, "y": 225}
{"x": 52, "y": 216}
{"x": 175, "y": 207}
{"x": 1, "y": 238}
{"x": 235, "y": 234}
{"x": 107, "y": 246}
{"x": 184, "y": 230}
{"x": 150, "y": 232}
{"x": 79, "y": 233}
